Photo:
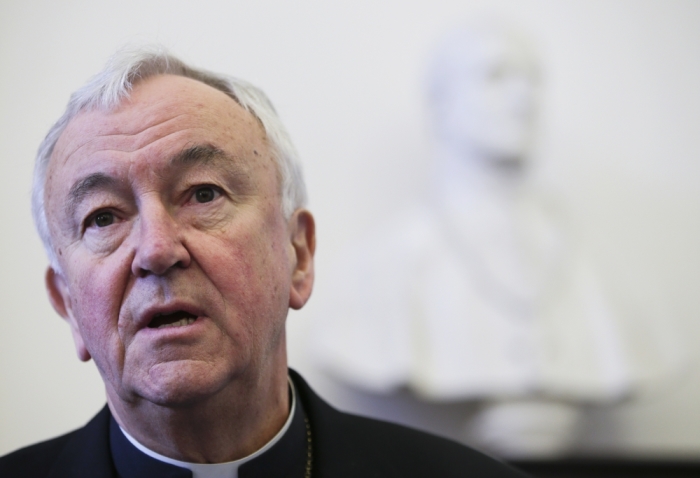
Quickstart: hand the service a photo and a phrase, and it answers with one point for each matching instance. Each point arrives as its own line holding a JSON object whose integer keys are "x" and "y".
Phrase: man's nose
{"x": 160, "y": 245}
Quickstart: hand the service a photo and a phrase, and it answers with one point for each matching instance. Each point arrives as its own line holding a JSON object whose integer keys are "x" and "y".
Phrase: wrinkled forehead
{"x": 158, "y": 107}
{"x": 168, "y": 125}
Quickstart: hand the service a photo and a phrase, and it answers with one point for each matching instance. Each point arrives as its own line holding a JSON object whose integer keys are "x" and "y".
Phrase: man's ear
{"x": 59, "y": 296}
{"x": 302, "y": 229}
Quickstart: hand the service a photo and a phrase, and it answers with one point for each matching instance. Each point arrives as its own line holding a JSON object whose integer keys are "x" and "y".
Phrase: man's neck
{"x": 228, "y": 426}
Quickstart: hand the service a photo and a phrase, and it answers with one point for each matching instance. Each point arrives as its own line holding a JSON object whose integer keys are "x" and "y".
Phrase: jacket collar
{"x": 100, "y": 450}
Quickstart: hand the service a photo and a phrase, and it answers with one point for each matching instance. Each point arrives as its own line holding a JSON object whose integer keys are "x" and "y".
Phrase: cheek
{"x": 249, "y": 270}
{"x": 250, "y": 277}
{"x": 96, "y": 297}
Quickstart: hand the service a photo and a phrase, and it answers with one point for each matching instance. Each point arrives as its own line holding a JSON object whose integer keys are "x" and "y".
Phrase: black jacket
{"x": 344, "y": 446}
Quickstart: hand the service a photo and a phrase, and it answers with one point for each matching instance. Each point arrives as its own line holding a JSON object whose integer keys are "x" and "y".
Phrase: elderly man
{"x": 170, "y": 201}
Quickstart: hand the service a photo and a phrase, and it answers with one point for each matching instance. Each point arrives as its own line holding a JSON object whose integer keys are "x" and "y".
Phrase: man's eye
{"x": 104, "y": 219}
{"x": 205, "y": 194}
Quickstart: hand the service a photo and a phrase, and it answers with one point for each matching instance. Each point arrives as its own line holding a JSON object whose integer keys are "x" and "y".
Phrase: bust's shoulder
{"x": 35, "y": 460}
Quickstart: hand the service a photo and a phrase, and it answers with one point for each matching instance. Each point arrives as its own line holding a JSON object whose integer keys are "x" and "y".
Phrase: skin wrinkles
{"x": 204, "y": 161}
{"x": 214, "y": 390}
{"x": 135, "y": 135}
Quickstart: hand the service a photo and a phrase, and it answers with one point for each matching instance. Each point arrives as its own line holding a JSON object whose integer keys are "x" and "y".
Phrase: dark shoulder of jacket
{"x": 34, "y": 460}
{"x": 349, "y": 446}
{"x": 404, "y": 451}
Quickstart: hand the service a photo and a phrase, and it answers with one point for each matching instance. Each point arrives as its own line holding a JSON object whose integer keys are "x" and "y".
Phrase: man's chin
{"x": 181, "y": 384}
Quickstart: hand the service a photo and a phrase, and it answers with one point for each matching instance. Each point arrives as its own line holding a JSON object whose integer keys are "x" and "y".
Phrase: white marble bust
{"x": 481, "y": 294}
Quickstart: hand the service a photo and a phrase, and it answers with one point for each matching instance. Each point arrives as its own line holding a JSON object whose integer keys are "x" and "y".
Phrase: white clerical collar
{"x": 219, "y": 470}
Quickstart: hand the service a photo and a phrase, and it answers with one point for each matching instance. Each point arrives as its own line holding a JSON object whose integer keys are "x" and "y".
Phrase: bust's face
{"x": 487, "y": 103}
{"x": 177, "y": 263}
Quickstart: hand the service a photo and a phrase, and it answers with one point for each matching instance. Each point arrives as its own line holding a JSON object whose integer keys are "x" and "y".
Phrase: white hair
{"x": 106, "y": 90}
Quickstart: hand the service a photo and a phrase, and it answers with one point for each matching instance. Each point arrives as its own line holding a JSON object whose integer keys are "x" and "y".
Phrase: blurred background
{"x": 618, "y": 139}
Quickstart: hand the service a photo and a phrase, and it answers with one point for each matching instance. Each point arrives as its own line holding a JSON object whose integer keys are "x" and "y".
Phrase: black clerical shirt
{"x": 285, "y": 459}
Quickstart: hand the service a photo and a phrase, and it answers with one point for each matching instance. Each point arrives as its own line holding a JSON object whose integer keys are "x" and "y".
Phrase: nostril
{"x": 157, "y": 255}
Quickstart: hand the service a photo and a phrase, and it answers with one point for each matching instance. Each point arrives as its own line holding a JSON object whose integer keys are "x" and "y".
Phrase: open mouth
{"x": 176, "y": 319}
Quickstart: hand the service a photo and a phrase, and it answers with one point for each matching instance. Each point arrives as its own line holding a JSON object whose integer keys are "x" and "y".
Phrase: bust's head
{"x": 482, "y": 87}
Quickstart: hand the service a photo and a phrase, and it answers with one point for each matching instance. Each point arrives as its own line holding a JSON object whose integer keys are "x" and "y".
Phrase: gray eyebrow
{"x": 86, "y": 185}
{"x": 198, "y": 154}
{"x": 207, "y": 154}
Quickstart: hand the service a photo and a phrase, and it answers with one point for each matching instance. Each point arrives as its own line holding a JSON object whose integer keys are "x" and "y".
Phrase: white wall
{"x": 621, "y": 140}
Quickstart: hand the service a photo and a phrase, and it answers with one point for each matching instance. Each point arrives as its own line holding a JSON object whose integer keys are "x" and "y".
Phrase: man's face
{"x": 178, "y": 266}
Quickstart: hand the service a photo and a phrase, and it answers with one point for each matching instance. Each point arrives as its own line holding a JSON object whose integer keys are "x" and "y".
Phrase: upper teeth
{"x": 185, "y": 321}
